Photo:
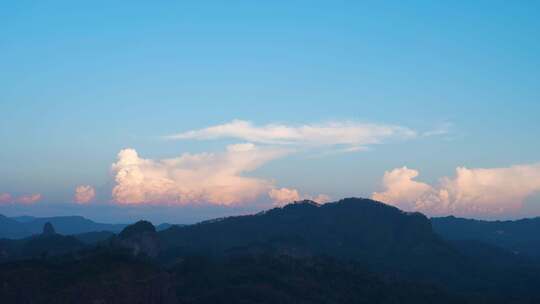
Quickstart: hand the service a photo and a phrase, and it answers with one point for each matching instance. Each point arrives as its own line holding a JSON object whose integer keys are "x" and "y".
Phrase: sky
{"x": 186, "y": 111}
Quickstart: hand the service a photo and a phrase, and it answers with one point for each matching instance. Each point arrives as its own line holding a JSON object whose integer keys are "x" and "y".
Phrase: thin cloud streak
{"x": 354, "y": 136}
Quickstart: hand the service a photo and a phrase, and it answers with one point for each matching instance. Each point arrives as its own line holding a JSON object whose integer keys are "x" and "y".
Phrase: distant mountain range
{"x": 26, "y": 226}
{"x": 519, "y": 237}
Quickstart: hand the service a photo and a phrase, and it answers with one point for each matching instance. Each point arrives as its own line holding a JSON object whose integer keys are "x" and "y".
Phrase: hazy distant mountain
{"x": 47, "y": 243}
{"x": 10, "y": 228}
{"x": 25, "y": 226}
{"x": 519, "y": 236}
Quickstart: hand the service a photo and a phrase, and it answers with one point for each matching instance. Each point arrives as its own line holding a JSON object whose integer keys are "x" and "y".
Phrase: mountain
{"x": 519, "y": 237}
{"x": 350, "y": 251}
{"x": 384, "y": 239}
{"x": 359, "y": 229}
{"x": 140, "y": 238}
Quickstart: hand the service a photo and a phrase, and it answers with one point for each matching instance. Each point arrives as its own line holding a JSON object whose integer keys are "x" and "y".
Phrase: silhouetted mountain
{"x": 351, "y": 251}
{"x": 358, "y": 229}
{"x": 519, "y": 237}
{"x": 383, "y": 238}
{"x": 140, "y": 238}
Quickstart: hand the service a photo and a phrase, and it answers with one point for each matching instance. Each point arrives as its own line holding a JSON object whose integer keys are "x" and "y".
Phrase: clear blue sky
{"x": 81, "y": 81}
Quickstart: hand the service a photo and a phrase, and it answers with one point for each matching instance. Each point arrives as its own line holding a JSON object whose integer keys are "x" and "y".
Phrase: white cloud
{"x": 481, "y": 192}
{"x": 353, "y": 135}
{"x": 84, "y": 194}
{"x": 283, "y": 196}
{"x": 215, "y": 178}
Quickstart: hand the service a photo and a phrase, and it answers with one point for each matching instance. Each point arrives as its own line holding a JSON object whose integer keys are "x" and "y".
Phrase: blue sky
{"x": 81, "y": 82}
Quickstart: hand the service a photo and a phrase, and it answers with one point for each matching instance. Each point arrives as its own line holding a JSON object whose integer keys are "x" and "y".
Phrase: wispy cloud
{"x": 472, "y": 192}
{"x": 28, "y": 199}
{"x": 354, "y": 136}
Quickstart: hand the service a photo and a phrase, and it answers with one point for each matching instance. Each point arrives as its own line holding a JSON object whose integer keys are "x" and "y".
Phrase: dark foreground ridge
{"x": 350, "y": 251}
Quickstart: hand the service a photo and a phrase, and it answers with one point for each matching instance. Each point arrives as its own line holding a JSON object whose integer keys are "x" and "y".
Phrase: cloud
{"x": 5, "y": 198}
{"x": 84, "y": 194}
{"x": 215, "y": 178}
{"x": 472, "y": 192}
{"x": 321, "y": 198}
{"x": 283, "y": 196}
{"x": 354, "y": 136}
{"x": 28, "y": 199}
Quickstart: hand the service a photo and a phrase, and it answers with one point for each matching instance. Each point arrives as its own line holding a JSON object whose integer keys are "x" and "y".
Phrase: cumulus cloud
{"x": 479, "y": 191}
{"x": 215, "y": 178}
{"x": 84, "y": 194}
{"x": 28, "y": 199}
{"x": 354, "y": 136}
{"x": 283, "y": 196}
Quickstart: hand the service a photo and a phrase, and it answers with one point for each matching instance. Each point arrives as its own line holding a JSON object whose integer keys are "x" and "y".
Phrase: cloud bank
{"x": 84, "y": 194}
{"x": 204, "y": 178}
{"x": 354, "y": 136}
{"x": 472, "y": 192}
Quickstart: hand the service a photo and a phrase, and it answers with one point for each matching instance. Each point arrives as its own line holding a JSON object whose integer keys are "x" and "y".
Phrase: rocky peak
{"x": 141, "y": 238}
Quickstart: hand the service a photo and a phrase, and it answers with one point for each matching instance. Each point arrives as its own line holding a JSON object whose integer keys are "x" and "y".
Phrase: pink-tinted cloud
{"x": 283, "y": 196}
{"x": 84, "y": 194}
{"x": 28, "y": 199}
{"x": 5, "y": 198}
{"x": 215, "y": 178}
{"x": 472, "y": 192}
